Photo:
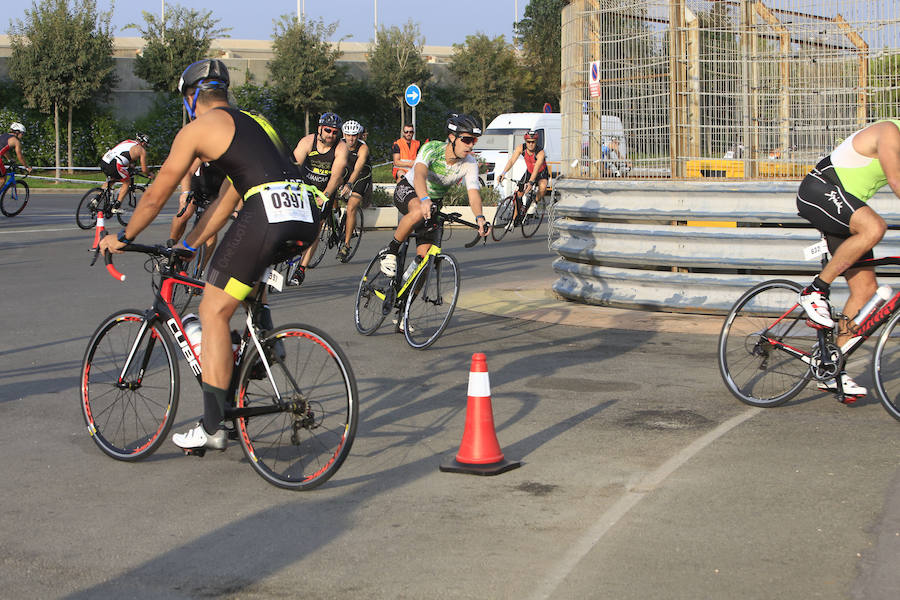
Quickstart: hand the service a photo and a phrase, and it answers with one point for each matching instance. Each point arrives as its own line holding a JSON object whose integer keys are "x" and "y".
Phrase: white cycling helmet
{"x": 17, "y": 127}
{"x": 352, "y": 128}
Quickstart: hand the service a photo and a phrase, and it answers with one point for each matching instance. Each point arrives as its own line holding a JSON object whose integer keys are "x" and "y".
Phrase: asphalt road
{"x": 641, "y": 478}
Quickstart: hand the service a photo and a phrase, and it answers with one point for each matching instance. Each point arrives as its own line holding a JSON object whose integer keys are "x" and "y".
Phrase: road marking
{"x": 580, "y": 548}
{"x": 40, "y": 230}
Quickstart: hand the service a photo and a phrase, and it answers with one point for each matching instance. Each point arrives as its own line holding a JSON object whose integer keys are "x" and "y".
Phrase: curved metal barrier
{"x": 640, "y": 244}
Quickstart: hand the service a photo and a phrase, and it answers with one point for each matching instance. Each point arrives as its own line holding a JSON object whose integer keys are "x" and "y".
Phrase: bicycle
{"x": 767, "y": 353}
{"x": 295, "y": 406}
{"x": 423, "y": 296}
{"x": 505, "y": 221}
{"x": 334, "y": 228}
{"x": 14, "y": 203}
{"x": 183, "y": 295}
{"x": 98, "y": 199}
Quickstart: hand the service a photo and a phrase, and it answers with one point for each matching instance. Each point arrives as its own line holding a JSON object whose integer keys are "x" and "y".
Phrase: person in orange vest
{"x": 404, "y": 150}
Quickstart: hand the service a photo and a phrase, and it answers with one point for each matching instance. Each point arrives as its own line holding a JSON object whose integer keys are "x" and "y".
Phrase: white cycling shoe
{"x": 817, "y": 309}
{"x": 198, "y": 438}
{"x": 851, "y": 388}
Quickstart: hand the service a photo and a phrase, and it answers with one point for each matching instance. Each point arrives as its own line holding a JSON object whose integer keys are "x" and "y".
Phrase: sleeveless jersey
{"x": 441, "y": 175}
{"x": 4, "y": 143}
{"x": 317, "y": 166}
{"x": 530, "y": 159}
{"x": 859, "y": 175}
{"x": 353, "y": 158}
{"x": 120, "y": 153}
{"x": 260, "y": 157}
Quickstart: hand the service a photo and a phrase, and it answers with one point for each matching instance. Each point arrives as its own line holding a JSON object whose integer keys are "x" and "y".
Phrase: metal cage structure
{"x": 733, "y": 89}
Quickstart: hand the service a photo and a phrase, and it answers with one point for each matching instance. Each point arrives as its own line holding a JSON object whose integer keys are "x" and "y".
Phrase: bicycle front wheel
{"x": 129, "y": 386}
{"x": 760, "y": 333}
{"x": 14, "y": 199}
{"x": 432, "y": 298}
{"x": 502, "y": 218}
{"x": 88, "y": 206}
{"x": 356, "y": 234}
{"x": 886, "y": 367}
{"x": 303, "y": 443}
{"x": 322, "y": 248}
{"x": 374, "y": 298}
{"x": 533, "y": 219}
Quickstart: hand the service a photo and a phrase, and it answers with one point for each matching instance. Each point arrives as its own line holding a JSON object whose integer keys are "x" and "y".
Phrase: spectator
{"x": 404, "y": 150}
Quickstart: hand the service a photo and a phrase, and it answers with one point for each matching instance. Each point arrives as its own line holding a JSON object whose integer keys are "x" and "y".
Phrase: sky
{"x": 442, "y": 23}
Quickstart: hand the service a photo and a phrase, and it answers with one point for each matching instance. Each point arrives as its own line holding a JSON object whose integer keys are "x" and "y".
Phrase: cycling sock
{"x": 213, "y": 407}
{"x": 819, "y": 286}
{"x": 394, "y": 246}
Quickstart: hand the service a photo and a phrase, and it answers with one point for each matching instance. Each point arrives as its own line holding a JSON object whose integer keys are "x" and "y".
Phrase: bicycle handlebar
{"x": 157, "y": 250}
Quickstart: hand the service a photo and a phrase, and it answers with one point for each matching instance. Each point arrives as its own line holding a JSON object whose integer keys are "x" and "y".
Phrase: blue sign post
{"x": 413, "y": 96}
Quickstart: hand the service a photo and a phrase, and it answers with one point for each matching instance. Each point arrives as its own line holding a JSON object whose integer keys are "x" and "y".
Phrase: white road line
{"x": 580, "y": 548}
{"x": 73, "y": 228}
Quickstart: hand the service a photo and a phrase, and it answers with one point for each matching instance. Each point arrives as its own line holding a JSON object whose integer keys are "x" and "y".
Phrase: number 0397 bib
{"x": 284, "y": 201}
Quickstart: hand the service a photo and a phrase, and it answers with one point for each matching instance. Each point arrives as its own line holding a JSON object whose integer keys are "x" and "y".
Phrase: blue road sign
{"x": 413, "y": 94}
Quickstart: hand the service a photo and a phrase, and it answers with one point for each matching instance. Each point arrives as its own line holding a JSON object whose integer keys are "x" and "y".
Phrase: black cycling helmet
{"x": 205, "y": 74}
{"x": 330, "y": 119}
{"x": 459, "y": 123}
{"x": 142, "y": 138}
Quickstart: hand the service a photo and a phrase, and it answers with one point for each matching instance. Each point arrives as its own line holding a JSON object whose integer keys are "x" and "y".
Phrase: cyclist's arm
{"x": 301, "y": 151}
{"x": 510, "y": 162}
{"x": 337, "y": 168}
{"x": 142, "y": 154}
{"x": 420, "y": 183}
{"x": 477, "y": 210}
{"x": 216, "y": 215}
{"x": 18, "y": 146}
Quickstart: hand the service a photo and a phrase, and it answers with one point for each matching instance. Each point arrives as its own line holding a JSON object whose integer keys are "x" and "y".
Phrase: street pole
{"x": 375, "y": 39}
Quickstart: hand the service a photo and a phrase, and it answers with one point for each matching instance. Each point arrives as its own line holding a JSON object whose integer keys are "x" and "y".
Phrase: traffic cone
{"x": 99, "y": 230}
{"x": 479, "y": 453}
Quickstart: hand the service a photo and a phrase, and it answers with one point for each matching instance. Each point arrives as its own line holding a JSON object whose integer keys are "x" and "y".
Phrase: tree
{"x": 182, "y": 37}
{"x": 304, "y": 71}
{"x": 62, "y": 57}
{"x": 396, "y": 61}
{"x": 487, "y": 71}
{"x": 539, "y": 33}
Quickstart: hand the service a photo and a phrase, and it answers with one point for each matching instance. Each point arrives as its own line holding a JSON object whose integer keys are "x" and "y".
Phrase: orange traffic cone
{"x": 479, "y": 453}
{"x": 99, "y": 230}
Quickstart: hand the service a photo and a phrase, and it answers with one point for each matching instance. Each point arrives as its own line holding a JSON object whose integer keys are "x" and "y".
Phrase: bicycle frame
{"x": 10, "y": 179}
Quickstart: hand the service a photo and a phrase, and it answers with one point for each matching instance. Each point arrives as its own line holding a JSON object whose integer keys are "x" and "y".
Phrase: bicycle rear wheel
{"x": 533, "y": 219}
{"x": 322, "y": 248}
{"x": 129, "y": 414}
{"x": 88, "y": 206}
{"x": 503, "y": 218}
{"x": 14, "y": 199}
{"x": 886, "y": 367}
{"x": 753, "y": 360}
{"x": 431, "y": 301}
{"x": 374, "y": 298}
{"x": 302, "y": 445}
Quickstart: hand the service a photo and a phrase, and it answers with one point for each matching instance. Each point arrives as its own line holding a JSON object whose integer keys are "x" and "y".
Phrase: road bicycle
{"x": 98, "y": 199}
{"x": 423, "y": 296}
{"x": 334, "y": 228}
{"x": 183, "y": 295}
{"x": 295, "y": 406}
{"x": 14, "y": 193}
{"x": 533, "y": 211}
{"x": 767, "y": 351}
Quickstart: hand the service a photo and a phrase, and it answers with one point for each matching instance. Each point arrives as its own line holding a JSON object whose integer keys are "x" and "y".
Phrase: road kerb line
{"x": 581, "y": 547}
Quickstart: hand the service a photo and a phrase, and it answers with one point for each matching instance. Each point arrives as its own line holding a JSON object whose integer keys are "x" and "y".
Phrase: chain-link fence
{"x": 722, "y": 88}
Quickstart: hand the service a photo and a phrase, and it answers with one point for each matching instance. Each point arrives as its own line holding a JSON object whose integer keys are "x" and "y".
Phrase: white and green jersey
{"x": 443, "y": 176}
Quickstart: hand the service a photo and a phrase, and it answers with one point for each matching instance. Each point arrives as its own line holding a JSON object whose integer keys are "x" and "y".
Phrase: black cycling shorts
{"x": 822, "y": 201}
{"x": 114, "y": 170}
{"x": 363, "y": 187}
{"x": 403, "y": 193}
{"x": 544, "y": 174}
{"x": 250, "y": 244}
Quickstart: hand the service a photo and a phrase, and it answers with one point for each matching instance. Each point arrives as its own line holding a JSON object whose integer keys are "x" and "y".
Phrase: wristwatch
{"x": 121, "y": 237}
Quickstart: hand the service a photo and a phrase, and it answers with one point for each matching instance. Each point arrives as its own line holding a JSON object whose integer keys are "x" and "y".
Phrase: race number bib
{"x": 285, "y": 201}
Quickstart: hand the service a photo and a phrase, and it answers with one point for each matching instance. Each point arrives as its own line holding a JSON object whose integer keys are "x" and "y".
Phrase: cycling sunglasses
{"x": 469, "y": 140}
{"x": 329, "y": 129}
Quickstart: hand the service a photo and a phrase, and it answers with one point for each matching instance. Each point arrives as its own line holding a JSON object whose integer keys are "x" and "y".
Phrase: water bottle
{"x": 192, "y": 329}
{"x": 412, "y": 267}
{"x": 882, "y": 295}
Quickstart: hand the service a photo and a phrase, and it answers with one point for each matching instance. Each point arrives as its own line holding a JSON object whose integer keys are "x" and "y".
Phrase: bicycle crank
{"x": 828, "y": 366}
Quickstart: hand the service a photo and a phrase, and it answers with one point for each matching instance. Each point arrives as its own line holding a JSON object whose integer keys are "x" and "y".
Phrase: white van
{"x": 507, "y": 131}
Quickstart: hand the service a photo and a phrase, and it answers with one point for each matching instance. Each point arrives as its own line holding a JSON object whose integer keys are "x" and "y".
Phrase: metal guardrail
{"x": 628, "y": 244}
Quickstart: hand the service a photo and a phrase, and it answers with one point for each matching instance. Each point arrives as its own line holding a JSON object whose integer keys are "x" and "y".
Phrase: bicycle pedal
{"x": 851, "y": 399}
{"x": 199, "y": 452}
{"x": 814, "y": 325}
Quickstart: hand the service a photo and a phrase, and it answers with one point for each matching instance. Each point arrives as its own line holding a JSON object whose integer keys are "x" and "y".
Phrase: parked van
{"x": 507, "y": 131}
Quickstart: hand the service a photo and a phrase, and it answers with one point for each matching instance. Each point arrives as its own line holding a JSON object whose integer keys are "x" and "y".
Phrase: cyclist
{"x": 357, "y": 180}
{"x": 10, "y": 141}
{"x": 322, "y": 157}
{"x": 251, "y": 154}
{"x": 833, "y": 198}
{"x": 404, "y": 152}
{"x": 438, "y": 167}
{"x": 117, "y": 159}
{"x": 535, "y": 171}
{"x": 203, "y": 181}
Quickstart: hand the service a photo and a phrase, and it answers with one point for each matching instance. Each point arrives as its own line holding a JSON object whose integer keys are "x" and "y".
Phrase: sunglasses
{"x": 469, "y": 140}
{"x": 329, "y": 129}
{"x": 405, "y": 132}
{"x": 531, "y": 141}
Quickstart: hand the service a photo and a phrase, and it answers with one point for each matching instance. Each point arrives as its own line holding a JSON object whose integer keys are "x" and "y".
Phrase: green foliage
{"x": 162, "y": 123}
{"x": 397, "y": 61}
{"x": 304, "y": 71}
{"x": 171, "y": 44}
{"x": 263, "y": 99}
{"x": 539, "y": 32}
{"x": 487, "y": 71}
{"x": 381, "y": 198}
{"x": 885, "y": 76}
